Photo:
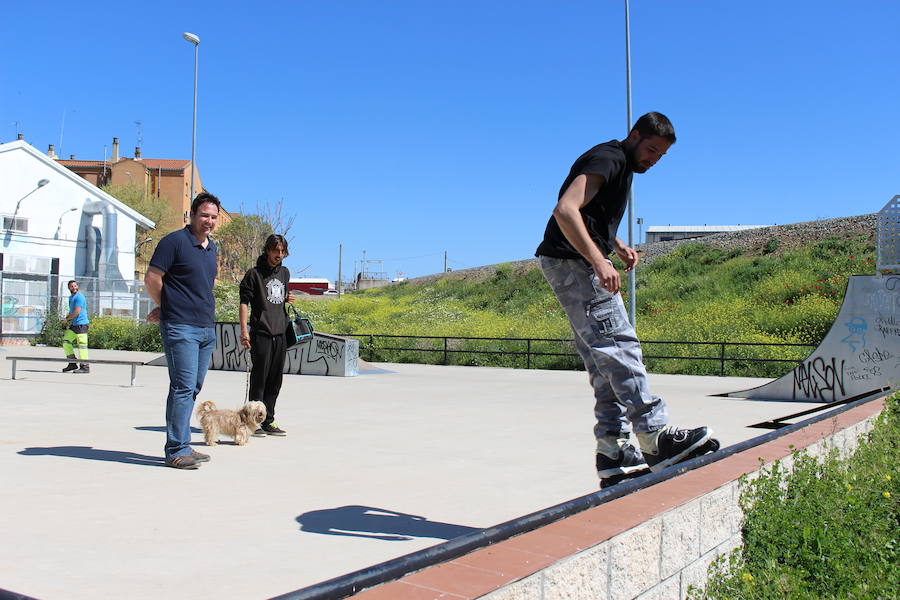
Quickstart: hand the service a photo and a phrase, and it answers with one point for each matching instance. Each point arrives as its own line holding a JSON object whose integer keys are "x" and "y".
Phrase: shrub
{"x": 827, "y": 530}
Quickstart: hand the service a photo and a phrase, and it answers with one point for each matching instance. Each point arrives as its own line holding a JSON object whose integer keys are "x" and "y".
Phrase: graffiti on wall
{"x": 324, "y": 354}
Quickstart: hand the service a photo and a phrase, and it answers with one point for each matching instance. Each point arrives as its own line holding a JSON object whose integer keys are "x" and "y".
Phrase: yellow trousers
{"x": 81, "y": 342}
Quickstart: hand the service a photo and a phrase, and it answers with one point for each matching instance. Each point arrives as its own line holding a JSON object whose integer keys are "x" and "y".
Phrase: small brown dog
{"x": 239, "y": 424}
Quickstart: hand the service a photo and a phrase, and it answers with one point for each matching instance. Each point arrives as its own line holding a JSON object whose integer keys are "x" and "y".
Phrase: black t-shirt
{"x": 603, "y": 213}
{"x": 265, "y": 291}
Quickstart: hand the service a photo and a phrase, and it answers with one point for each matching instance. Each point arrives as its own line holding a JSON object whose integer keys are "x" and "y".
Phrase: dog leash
{"x": 247, "y": 386}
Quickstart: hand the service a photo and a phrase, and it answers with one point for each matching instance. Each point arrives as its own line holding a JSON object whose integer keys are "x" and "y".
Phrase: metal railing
{"x": 28, "y": 299}
{"x": 530, "y": 350}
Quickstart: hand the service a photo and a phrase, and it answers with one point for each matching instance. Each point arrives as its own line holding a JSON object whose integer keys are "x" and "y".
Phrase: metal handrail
{"x": 528, "y": 353}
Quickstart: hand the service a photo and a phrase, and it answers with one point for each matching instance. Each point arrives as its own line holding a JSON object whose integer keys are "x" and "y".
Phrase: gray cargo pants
{"x": 609, "y": 347}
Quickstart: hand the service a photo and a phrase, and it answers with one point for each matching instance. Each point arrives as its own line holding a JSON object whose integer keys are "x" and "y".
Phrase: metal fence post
{"x": 445, "y": 351}
{"x": 722, "y": 361}
{"x": 528, "y": 354}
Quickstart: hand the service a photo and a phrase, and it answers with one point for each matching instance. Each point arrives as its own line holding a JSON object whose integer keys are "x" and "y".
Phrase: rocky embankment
{"x": 751, "y": 240}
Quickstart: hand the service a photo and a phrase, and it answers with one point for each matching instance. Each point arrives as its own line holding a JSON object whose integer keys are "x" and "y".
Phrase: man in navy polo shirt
{"x": 180, "y": 279}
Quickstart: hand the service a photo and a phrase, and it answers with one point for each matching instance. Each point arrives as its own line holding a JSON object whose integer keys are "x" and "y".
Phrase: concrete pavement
{"x": 396, "y": 459}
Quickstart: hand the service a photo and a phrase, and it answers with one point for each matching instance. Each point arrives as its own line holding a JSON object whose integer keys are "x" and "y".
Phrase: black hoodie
{"x": 265, "y": 290}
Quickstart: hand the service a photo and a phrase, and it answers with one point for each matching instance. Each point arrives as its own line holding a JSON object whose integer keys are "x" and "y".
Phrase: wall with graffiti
{"x": 859, "y": 354}
{"x": 324, "y": 354}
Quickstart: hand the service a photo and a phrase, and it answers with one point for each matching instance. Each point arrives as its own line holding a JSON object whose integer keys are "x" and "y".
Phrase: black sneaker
{"x": 630, "y": 463}
{"x": 677, "y": 445}
{"x": 259, "y": 433}
{"x": 69, "y": 367}
{"x": 273, "y": 429}
{"x": 83, "y": 369}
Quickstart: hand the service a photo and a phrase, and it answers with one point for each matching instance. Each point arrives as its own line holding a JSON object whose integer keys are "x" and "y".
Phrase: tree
{"x": 157, "y": 209}
{"x": 241, "y": 241}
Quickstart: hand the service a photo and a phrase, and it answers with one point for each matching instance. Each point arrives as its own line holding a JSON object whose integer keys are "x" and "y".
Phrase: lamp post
{"x": 59, "y": 225}
{"x": 631, "y": 274}
{"x": 40, "y": 184}
{"x": 193, "y": 39}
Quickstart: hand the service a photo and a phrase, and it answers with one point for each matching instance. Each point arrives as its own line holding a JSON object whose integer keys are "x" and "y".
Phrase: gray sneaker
{"x": 199, "y": 456}
{"x": 83, "y": 369}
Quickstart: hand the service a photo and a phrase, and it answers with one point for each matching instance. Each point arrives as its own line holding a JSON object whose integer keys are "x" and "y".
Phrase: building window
{"x": 19, "y": 224}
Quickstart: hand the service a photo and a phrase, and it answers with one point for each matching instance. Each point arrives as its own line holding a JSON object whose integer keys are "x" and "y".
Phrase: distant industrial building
{"x": 667, "y": 233}
{"x": 314, "y": 286}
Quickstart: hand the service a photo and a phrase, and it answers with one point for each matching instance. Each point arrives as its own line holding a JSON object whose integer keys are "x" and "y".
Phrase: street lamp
{"x": 632, "y": 303}
{"x": 190, "y": 37}
{"x": 40, "y": 184}
{"x": 59, "y": 225}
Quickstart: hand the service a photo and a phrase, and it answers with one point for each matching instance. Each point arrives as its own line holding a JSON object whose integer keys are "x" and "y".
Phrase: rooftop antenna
{"x": 16, "y": 125}
{"x": 62, "y": 127}
{"x": 140, "y": 134}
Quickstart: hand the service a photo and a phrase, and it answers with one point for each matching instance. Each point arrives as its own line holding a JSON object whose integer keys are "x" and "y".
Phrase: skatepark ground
{"x": 397, "y": 459}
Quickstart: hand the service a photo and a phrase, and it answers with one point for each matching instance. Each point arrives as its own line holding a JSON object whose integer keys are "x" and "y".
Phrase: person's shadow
{"x": 90, "y": 453}
{"x": 377, "y": 523}
{"x": 162, "y": 428}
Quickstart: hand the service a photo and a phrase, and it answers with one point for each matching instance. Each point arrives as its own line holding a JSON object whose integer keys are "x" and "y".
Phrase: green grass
{"x": 827, "y": 530}
{"x": 694, "y": 294}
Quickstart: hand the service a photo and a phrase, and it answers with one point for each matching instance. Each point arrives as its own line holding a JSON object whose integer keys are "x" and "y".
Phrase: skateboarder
{"x": 574, "y": 257}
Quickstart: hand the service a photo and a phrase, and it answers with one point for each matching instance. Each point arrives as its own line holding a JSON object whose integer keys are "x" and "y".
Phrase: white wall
{"x": 20, "y": 170}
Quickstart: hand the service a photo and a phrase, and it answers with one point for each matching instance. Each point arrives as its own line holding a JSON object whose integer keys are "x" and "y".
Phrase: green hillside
{"x": 695, "y": 293}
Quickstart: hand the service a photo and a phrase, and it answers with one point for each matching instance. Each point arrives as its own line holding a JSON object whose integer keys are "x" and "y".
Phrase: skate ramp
{"x": 323, "y": 354}
{"x": 859, "y": 354}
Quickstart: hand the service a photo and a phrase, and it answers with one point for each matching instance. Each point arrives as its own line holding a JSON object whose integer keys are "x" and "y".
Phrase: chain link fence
{"x": 28, "y": 299}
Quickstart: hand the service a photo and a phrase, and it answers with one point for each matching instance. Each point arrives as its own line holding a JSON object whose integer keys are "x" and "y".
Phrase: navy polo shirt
{"x": 190, "y": 272}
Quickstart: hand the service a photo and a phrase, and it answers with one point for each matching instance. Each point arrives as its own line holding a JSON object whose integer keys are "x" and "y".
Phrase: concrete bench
{"x": 101, "y": 361}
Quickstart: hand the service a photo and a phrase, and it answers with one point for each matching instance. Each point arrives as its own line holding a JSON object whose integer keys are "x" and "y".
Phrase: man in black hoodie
{"x": 264, "y": 290}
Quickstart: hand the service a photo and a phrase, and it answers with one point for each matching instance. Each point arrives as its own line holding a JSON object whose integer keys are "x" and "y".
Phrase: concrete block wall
{"x": 652, "y": 544}
{"x": 662, "y": 558}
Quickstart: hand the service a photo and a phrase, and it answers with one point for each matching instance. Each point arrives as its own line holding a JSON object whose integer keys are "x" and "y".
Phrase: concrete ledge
{"x": 652, "y": 544}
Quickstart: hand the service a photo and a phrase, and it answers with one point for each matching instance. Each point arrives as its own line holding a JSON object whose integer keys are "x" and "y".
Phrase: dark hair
{"x": 71, "y": 281}
{"x": 203, "y": 198}
{"x": 276, "y": 240}
{"x": 654, "y": 123}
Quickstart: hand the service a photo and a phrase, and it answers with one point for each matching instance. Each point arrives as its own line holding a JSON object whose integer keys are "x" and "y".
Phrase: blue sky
{"x": 405, "y": 129}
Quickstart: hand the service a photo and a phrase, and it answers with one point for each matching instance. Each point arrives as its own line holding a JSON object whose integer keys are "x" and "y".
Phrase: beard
{"x": 631, "y": 159}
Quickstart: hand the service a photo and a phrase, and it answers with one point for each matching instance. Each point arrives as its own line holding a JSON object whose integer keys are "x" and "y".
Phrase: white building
{"x": 56, "y": 225}
{"x": 665, "y": 233}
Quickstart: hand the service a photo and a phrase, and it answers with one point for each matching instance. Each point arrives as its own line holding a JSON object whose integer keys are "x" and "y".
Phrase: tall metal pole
{"x": 193, "y": 39}
{"x": 340, "y": 280}
{"x": 631, "y": 274}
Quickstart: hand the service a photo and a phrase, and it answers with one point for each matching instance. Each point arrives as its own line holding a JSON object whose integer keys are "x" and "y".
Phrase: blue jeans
{"x": 610, "y": 349}
{"x": 188, "y": 352}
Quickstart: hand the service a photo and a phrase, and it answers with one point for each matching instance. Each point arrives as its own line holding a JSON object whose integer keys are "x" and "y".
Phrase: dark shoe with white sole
{"x": 628, "y": 464}
{"x": 676, "y": 445}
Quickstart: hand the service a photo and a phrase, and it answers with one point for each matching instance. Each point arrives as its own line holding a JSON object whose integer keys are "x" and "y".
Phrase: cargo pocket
{"x": 605, "y": 314}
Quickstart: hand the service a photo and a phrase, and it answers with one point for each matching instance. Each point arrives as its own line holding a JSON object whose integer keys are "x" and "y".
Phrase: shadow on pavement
{"x": 90, "y": 453}
{"x": 377, "y": 523}
{"x": 162, "y": 428}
